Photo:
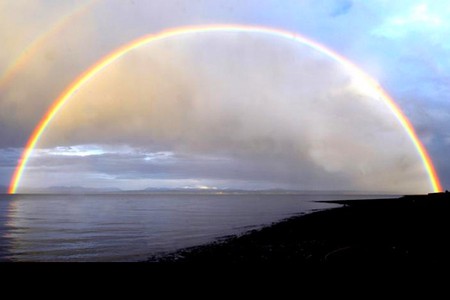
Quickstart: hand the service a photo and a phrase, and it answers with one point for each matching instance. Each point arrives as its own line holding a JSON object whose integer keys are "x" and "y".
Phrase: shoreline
{"x": 409, "y": 230}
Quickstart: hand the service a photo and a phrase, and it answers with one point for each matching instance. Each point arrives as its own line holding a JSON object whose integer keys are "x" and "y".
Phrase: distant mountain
{"x": 202, "y": 190}
{"x": 158, "y": 189}
{"x": 75, "y": 190}
{"x": 182, "y": 190}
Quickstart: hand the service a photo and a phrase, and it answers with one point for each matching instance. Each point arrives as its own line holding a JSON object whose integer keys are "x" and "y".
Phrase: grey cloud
{"x": 279, "y": 111}
{"x": 8, "y": 161}
{"x": 114, "y": 169}
{"x": 188, "y": 124}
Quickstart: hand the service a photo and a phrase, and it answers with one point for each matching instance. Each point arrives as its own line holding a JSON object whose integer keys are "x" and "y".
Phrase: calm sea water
{"x": 134, "y": 227}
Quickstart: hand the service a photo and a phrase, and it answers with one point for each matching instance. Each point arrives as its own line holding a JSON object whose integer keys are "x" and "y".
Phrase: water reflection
{"x": 133, "y": 227}
{"x": 8, "y": 211}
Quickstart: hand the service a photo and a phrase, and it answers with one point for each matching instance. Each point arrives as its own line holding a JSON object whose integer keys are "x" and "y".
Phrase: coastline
{"x": 410, "y": 230}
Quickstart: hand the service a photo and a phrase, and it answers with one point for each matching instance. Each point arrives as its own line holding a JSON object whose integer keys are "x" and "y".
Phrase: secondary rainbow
{"x": 40, "y": 41}
{"x": 364, "y": 80}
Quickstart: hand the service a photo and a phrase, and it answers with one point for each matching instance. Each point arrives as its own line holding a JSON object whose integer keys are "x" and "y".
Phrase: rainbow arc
{"x": 367, "y": 82}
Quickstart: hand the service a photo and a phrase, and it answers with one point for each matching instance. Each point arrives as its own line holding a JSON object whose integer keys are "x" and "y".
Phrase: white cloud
{"x": 418, "y": 18}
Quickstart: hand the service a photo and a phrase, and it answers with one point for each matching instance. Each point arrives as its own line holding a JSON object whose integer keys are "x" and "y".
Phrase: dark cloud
{"x": 265, "y": 109}
{"x": 179, "y": 169}
{"x": 8, "y": 161}
{"x": 402, "y": 43}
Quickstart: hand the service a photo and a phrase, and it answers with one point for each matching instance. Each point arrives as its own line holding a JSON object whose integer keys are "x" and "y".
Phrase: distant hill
{"x": 183, "y": 190}
{"x": 73, "y": 190}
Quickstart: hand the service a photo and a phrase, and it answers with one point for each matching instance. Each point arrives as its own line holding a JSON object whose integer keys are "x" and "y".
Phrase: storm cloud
{"x": 235, "y": 109}
{"x": 241, "y": 103}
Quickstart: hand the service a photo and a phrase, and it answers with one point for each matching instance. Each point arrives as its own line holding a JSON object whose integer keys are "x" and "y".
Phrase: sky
{"x": 225, "y": 110}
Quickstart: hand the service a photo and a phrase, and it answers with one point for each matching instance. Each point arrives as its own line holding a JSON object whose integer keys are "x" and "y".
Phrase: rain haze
{"x": 225, "y": 110}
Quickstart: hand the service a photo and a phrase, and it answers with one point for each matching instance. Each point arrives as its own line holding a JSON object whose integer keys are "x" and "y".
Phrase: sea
{"x": 134, "y": 227}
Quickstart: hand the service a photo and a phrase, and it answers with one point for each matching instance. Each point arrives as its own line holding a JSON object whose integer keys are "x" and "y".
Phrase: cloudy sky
{"x": 225, "y": 109}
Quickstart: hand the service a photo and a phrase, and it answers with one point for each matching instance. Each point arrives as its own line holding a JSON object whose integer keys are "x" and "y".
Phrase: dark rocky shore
{"x": 410, "y": 230}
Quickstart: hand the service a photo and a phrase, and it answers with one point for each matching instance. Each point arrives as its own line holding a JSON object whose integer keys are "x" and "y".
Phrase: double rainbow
{"x": 21, "y": 61}
{"x": 368, "y": 83}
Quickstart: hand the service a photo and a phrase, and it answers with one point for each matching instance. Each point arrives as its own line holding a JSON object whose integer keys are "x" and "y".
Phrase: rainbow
{"x": 20, "y": 62}
{"x": 364, "y": 80}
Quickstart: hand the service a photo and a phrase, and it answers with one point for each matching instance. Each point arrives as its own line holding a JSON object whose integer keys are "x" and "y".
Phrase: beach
{"x": 411, "y": 230}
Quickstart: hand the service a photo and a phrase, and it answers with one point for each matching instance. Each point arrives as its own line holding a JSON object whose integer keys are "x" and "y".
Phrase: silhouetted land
{"x": 413, "y": 230}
